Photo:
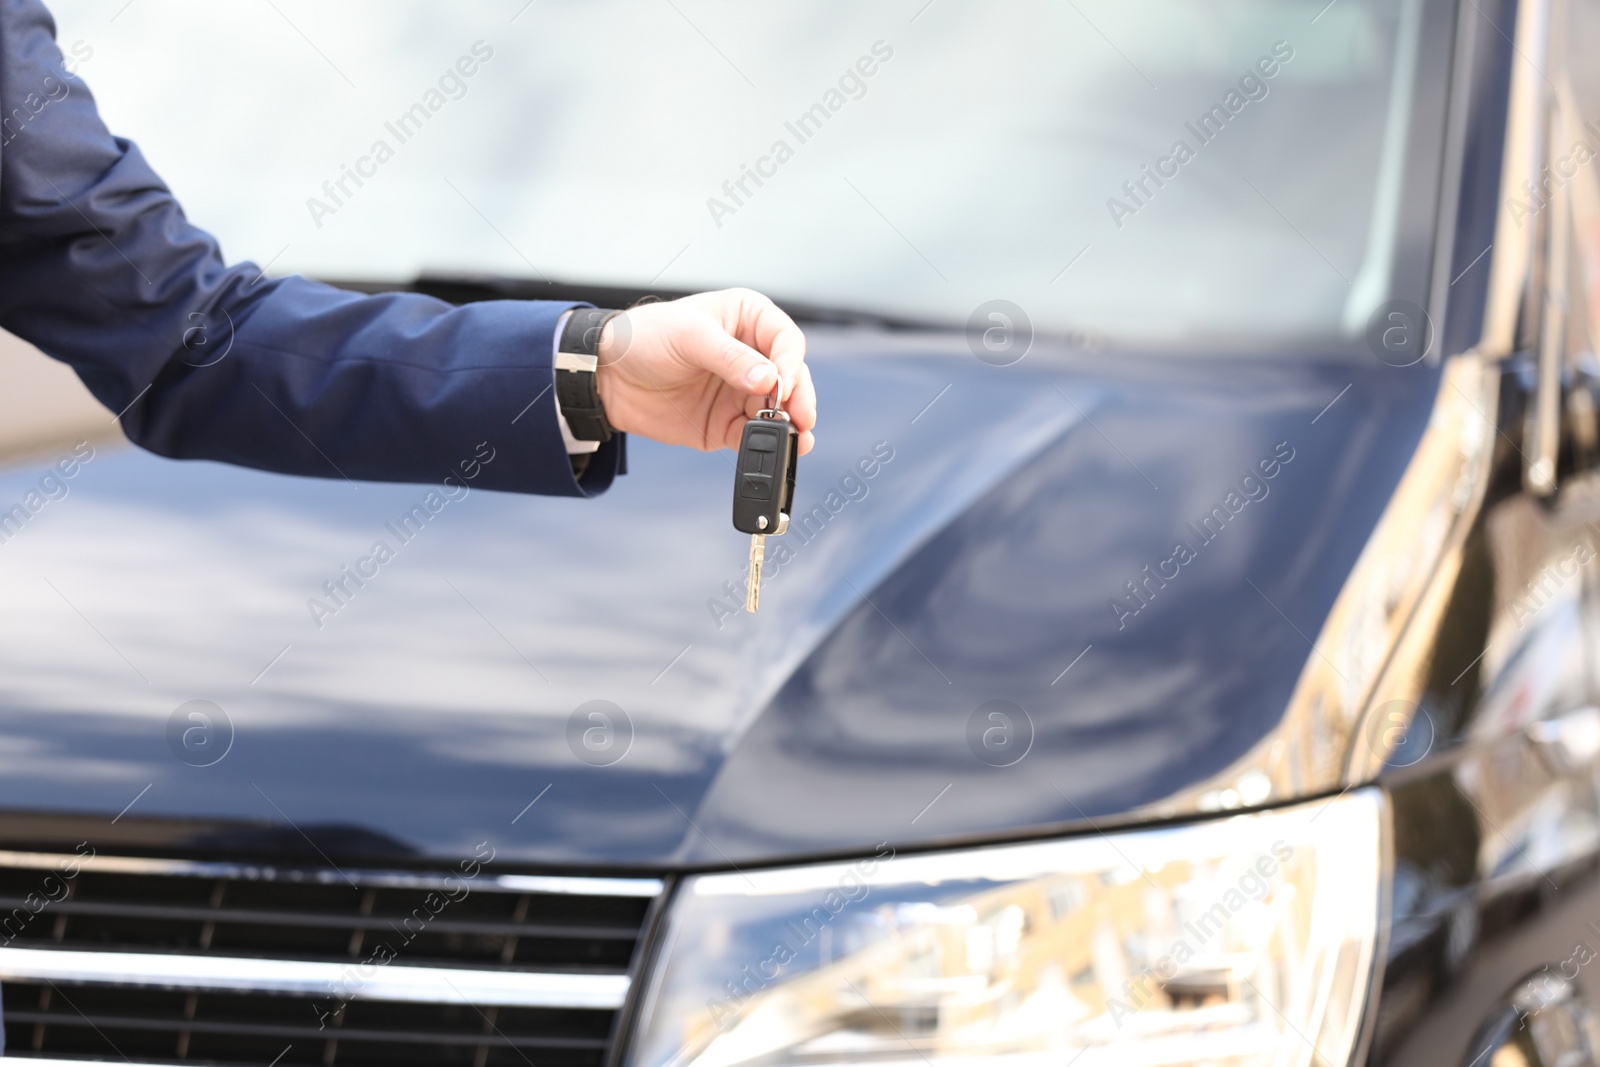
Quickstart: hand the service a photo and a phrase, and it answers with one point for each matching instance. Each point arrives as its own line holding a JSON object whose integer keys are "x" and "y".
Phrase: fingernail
{"x": 760, "y": 377}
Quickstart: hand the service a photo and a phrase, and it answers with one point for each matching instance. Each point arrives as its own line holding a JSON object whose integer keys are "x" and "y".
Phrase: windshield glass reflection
{"x": 1161, "y": 169}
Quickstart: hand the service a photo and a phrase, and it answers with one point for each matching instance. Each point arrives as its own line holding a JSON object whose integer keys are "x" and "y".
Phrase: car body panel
{"x": 428, "y": 710}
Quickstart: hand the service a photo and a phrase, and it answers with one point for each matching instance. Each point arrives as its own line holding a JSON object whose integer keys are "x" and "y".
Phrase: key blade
{"x": 758, "y": 556}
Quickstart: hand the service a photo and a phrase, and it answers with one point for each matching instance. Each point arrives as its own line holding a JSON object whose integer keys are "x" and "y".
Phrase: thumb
{"x": 713, "y": 349}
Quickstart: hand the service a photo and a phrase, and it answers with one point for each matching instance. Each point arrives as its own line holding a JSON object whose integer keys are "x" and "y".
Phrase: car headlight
{"x": 1244, "y": 940}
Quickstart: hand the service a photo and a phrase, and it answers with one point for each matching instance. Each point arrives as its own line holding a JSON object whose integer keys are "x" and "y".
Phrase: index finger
{"x": 775, "y": 335}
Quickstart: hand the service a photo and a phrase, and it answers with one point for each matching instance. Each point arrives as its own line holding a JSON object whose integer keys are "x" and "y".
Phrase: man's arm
{"x": 99, "y": 268}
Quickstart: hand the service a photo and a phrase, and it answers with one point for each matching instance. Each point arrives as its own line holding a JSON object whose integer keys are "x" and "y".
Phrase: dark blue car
{"x": 1182, "y": 650}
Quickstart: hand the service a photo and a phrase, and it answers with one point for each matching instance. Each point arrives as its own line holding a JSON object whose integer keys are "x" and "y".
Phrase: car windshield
{"x": 1151, "y": 169}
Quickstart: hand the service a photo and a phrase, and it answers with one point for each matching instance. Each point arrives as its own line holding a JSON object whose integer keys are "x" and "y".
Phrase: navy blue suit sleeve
{"x": 99, "y": 268}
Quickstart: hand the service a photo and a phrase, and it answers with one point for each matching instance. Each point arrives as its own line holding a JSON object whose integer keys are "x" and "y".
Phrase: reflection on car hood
{"x": 976, "y": 526}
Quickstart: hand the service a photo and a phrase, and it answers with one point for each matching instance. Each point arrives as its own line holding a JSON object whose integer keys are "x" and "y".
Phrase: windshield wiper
{"x": 468, "y": 288}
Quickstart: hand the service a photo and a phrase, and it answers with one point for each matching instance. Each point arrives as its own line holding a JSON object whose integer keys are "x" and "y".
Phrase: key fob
{"x": 763, "y": 487}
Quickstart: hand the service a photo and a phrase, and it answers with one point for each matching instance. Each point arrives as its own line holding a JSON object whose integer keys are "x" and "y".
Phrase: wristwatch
{"x": 584, "y": 426}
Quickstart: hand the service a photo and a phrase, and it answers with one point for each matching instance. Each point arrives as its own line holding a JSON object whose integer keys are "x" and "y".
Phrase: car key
{"x": 763, "y": 486}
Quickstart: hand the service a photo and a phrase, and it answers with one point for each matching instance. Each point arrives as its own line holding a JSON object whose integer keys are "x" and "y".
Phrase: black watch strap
{"x": 576, "y": 363}
{"x": 581, "y": 335}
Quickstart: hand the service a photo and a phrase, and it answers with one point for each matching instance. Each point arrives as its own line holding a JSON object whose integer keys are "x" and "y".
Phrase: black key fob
{"x": 763, "y": 487}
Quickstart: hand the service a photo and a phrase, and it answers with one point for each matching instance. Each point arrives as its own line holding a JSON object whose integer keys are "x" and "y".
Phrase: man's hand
{"x": 692, "y": 371}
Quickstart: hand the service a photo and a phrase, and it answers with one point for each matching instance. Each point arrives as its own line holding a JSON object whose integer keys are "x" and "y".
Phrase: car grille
{"x": 155, "y": 961}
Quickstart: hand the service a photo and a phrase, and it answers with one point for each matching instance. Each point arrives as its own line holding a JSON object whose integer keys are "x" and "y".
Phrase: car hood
{"x": 574, "y": 681}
